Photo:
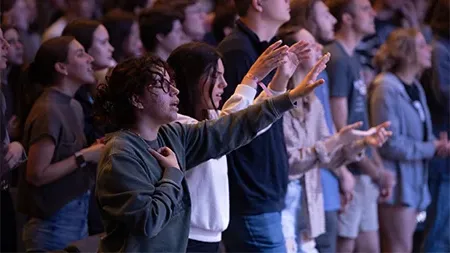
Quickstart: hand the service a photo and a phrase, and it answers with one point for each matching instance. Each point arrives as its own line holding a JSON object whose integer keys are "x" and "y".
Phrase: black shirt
{"x": 414, "y": 95}
{"x": 258, "y": 172}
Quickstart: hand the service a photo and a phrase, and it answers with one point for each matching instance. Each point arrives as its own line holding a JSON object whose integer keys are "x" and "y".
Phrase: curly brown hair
{"x": 113, "y": 106}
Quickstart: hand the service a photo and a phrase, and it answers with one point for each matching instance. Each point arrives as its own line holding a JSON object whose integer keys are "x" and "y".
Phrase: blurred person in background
{"x": 75, "y": 9}
{"x": 124, "y": 35}
{"x": 11, "y": 155}
{"x": 436, "y": 83}
{"x": 193, "y": 16}
{"x": 398, "y": 96}
{"x": 161, "y": 31}
{"x": 358, "y": 224}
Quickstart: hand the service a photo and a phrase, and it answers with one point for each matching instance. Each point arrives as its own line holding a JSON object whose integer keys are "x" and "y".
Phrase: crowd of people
{"x": 225, "y": 126}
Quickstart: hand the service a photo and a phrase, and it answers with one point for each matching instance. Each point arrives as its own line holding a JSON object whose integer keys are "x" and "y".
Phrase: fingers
{"x": 314, "y": 85}
{"x": 272, "y": 47}
{"x": 9, "y": 155}
{"x": 383, "y": 125}
{"x": 156, "y": 154}
{"x": 353, "y": 126}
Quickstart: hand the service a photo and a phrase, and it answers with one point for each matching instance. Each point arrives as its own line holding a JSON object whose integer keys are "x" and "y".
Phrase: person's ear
{"x": 136, "y": 103}
{"x": 61, "y": 68}
{"x": 347, "y": 18}
{"x": 256, "y": 4}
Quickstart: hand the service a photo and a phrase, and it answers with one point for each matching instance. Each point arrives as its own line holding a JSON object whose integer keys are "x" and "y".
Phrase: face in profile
{"x": 15, "y": 51}
{"x": 211, "y": 97}
{"x": 276, "y": 10}
{"x": 325, "y": 21}
{"x": 132, "y": 46}
{"x": 363, "y": 17}
{"x": 423, "y": 52}
{"x": 4, "y": 46}
{"x": 78, "y": 66}
{"x": 101, "y": 49}
{"x": 160, "y": 101}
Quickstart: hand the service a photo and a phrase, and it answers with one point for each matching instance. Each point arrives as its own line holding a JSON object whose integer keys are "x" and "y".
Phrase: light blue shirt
{"x": 330, "y": 184}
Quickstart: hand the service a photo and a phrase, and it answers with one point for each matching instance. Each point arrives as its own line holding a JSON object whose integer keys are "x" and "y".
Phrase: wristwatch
{"x": 79, "y": 158}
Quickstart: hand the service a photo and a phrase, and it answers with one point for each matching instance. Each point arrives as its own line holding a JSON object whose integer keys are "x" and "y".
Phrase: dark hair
{"x": 338, "y": 8}
{"x": 191, "y": 62}
{"x": 178, "y": 6}
{"x": 158, "y": 20}
{"x": 41, "y": 72}
{"x": 131, "y": 5}
{"x": 83, "y": 31}
{"x": 113, "y": 102}
{"x": 6, "y": 5}
{"x": 118, "y": 23}
{"x": 440, "y": 23}
{"x": 242, "y": 7}
{"x": 225, "y": 17}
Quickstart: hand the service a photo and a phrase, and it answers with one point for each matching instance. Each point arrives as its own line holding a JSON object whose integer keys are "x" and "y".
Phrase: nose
{"x": 90, "y": 59}
{"x": 4, "y": 43}
{"x": 111, "y": 48}
{"x": 174, "y": 91}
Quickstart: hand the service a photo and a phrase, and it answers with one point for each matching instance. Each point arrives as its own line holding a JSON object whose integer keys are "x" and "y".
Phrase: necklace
{"x": 142, "y": 139}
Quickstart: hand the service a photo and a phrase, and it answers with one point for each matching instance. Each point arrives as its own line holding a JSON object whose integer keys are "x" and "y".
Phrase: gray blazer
{"x": 405, "y": 153}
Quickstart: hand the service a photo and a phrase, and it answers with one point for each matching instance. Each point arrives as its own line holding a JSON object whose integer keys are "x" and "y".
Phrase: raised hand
{"x": 310, "y": 82}
{"x": 166, "y": 157}
{"x": 272, "y": 58}
{"x": 298, "y": 52}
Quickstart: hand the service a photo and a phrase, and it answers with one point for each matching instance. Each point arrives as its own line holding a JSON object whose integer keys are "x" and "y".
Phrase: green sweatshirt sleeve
{"x": 126, "y": 194}
{"x": 216, "y": 138}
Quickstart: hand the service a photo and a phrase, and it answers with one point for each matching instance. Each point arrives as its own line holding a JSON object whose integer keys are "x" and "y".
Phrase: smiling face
{"x": 211, "y": 98}
{"x": 79, "y": 64}
{"x": 101, "y": 50}
{"x": 15, "y": 52}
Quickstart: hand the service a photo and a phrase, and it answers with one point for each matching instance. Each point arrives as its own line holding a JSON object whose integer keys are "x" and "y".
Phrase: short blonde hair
{"x": 398, "y": 50}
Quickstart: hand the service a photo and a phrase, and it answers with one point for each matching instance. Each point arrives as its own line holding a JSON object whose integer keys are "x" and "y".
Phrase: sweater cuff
{"x": 282, "y": 103}
{"x": 173, "y": 175}
{"x": 246, "y": 91}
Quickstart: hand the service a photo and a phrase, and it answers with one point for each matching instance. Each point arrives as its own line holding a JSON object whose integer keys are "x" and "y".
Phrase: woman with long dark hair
{"x": 199, "y": 71}
{"x": 54, "y": 188}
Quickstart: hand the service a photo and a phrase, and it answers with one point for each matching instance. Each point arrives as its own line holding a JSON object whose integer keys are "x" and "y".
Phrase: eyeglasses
{"x": 165, "y": 85}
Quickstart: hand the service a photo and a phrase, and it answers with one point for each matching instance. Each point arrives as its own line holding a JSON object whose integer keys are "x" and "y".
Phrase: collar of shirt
{"x": 259, "y": 45}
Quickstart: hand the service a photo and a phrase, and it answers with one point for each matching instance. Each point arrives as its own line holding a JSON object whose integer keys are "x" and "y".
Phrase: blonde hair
{"x": 398, "y": 50}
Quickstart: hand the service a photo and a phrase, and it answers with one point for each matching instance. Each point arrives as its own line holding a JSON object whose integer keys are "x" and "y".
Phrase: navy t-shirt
{"x": 346, "y": 80}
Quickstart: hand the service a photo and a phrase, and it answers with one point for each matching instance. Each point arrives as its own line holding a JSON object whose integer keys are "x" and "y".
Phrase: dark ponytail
{"x": 41, "y": 72}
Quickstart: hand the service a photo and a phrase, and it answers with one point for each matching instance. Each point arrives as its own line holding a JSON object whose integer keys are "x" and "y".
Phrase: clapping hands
{"x": 375, "y": 136}
{"x": 442, "y": 145}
